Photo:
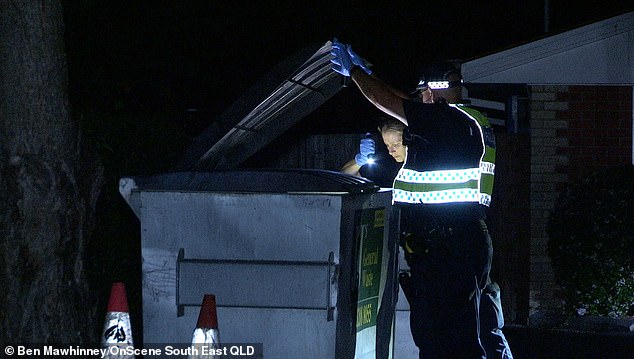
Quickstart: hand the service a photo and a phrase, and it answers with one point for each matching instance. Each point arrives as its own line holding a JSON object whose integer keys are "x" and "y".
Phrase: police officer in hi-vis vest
{"x": 443, "y": 188}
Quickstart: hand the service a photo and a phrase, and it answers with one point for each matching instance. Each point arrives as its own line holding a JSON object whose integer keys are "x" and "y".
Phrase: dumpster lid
{"x": 252, "y": 180}
{"x": 281, "y": 98}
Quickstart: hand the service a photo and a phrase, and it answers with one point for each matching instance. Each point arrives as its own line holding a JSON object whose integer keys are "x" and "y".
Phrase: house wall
{"x": 508, "y": 220}
{"x": 575, "y": 131}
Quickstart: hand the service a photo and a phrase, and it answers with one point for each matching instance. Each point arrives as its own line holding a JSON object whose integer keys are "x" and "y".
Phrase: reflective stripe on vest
{"x": 450, "y": 186}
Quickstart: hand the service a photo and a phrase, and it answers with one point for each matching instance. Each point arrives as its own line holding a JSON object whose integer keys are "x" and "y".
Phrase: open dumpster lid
{"x": 287, "y": 93}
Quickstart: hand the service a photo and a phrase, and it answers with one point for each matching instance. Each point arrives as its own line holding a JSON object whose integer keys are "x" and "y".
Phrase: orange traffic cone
{"x": 206, "y": 335}
{"x": 117, "y": 332}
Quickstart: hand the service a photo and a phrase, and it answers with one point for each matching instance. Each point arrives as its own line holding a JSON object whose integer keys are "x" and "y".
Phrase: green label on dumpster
{"x": 370, "y": 263}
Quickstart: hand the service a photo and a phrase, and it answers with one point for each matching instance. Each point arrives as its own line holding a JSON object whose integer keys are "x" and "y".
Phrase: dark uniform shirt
{"x": 440, "y": 137}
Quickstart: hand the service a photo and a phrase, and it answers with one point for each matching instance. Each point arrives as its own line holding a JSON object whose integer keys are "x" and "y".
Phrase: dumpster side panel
{"x": 241, "y": 226}
{"x": 219, "y": 231}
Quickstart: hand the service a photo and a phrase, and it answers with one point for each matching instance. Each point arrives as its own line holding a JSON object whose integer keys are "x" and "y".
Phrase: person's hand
{"x": 340, "y": 60}
{"x": 367, "y": 148}
{"x": 358, "y": 60}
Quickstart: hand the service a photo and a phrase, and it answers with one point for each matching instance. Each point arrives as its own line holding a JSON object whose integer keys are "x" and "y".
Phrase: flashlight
{"x": 372, "y": 156}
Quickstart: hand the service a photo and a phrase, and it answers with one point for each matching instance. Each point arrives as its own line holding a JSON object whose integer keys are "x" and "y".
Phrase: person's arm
{"x": 383, "y": 96}
{"x": 348, "y": 63}
{"x": 352, "y": 168}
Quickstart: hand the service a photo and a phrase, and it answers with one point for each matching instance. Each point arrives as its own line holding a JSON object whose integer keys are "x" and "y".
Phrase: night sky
{"x": 210, "y": 51}
{"x": 149, "y": 59}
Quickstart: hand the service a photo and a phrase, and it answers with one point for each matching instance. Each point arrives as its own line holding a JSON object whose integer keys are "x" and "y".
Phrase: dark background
{"x": 140, "y": 56}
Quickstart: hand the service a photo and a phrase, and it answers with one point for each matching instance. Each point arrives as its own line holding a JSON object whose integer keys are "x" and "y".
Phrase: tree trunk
{"x": 49, "y": 185}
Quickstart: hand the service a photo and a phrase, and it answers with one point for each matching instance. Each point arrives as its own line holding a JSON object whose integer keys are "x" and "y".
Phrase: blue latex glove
{"x": 367, "y": 148}
{"x": 358, "y": 60}
{"x": 341, "y": 62}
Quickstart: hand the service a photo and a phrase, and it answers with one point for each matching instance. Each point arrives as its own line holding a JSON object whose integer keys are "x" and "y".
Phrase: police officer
{"x": 372, "y": 163}
{"x": 443, "y": 189}
{"x": 491, "y": 316}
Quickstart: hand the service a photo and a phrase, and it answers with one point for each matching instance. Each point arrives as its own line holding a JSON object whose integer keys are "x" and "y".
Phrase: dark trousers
{"x": 449, "y": 269}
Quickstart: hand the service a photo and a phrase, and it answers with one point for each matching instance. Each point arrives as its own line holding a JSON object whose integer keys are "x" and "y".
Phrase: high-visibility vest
{"x": 455, "y": 185}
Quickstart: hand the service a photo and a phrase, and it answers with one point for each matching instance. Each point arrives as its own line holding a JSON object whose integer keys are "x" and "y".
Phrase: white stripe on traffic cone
{"x": 117, "y": 331}
{"x": 206, "y": 335}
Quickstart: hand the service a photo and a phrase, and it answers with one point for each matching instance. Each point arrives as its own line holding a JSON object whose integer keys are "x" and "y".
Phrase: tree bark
{"x": 49, "y": 184}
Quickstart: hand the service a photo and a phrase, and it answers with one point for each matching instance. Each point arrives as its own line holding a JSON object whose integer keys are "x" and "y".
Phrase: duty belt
{"x": 419, "y": 242}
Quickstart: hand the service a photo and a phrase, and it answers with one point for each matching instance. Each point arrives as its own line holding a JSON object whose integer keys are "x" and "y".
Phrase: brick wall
{"x": 575, "y": 131}
{"x": 599, "y": 128}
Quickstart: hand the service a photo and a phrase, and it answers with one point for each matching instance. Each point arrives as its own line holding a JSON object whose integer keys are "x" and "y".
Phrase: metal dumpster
{"x": 303, "y": 262}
